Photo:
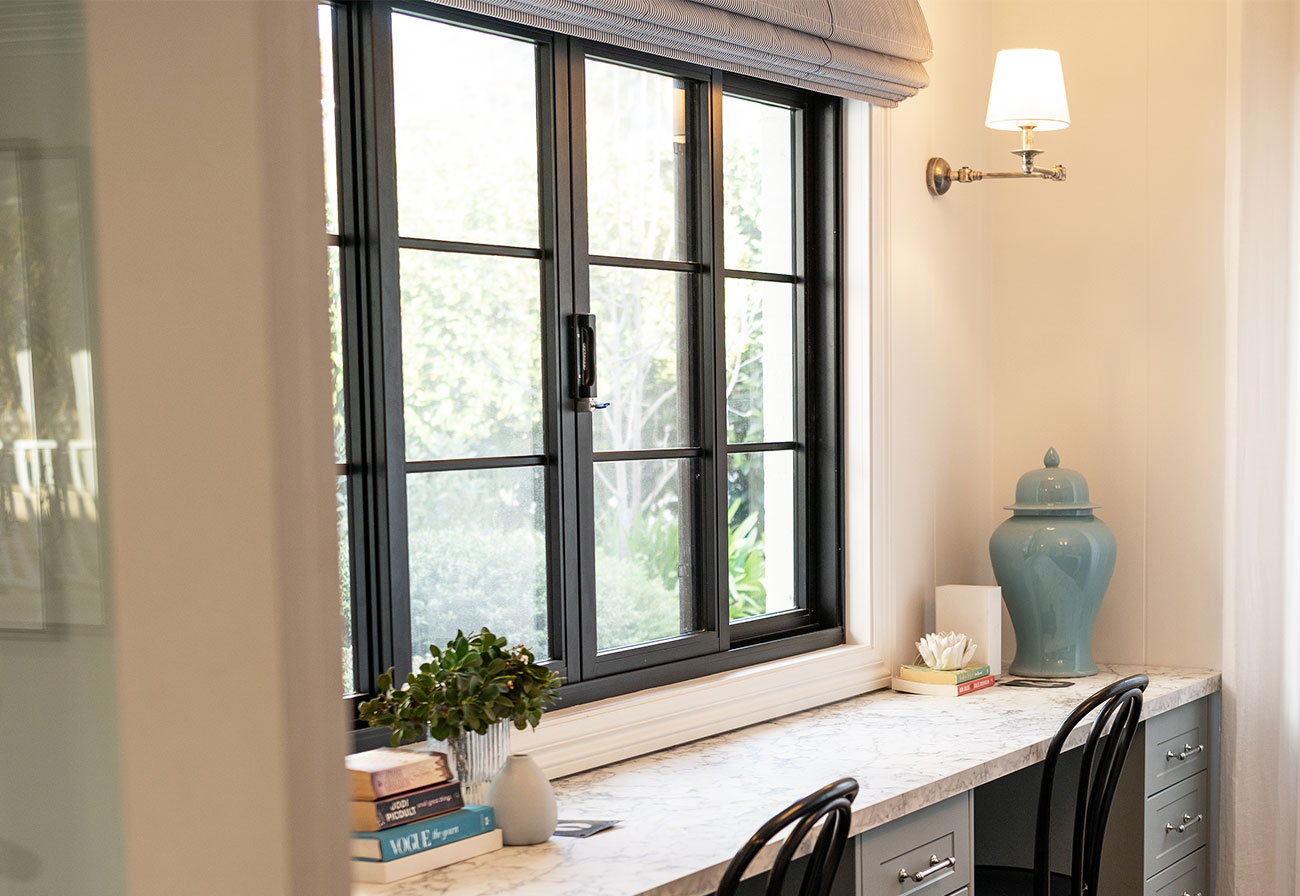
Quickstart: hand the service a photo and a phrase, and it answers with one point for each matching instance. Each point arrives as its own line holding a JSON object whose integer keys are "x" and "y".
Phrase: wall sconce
{"x": 1028, "y": 95}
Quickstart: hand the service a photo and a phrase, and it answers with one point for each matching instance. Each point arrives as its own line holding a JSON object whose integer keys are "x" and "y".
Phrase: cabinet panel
{"x": 1178, "y": 745}
{"x": 1186, "y": 877}
{"x": 1177, "y": 819}
{"x": 922, "y": 843}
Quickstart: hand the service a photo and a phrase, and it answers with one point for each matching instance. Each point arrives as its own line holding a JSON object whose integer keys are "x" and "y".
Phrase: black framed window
{"x": 586, "y": 351}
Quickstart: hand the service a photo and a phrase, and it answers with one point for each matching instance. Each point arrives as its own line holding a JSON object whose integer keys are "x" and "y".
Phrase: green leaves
{"x": 469, "y": 685}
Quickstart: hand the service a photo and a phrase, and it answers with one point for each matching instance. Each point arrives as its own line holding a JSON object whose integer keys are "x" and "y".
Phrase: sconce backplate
{"x": 938, "y": 177}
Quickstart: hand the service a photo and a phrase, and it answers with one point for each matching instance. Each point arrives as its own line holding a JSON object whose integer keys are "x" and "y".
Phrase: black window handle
{"x": 584, "y": 355}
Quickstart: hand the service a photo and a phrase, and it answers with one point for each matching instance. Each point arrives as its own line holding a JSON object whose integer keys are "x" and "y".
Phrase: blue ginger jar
{"x": 1053, "y": 559}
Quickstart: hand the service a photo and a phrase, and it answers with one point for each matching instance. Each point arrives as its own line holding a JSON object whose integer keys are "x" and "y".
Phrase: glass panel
{"x": 336, "y": 357}
{"x": 471, "y": 355}
{"x": 325, "y": 16}
{"x": 758, "y": 185}
{"x": 760, "y": 361}
{"x": 760, "y": 533}
{"x": 478, "y": 556}
{"x": 642, "y": 348}
{"x": 466, "y": 113}
{"x": 643, "y": 551}
{"x": 345, "y": 585}
{"x": 638, "y": 167}
{"x": 58, "y": 703}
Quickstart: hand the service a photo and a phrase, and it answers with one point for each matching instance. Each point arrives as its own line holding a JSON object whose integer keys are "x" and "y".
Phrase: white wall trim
{"x": 583, "y": 737}
{"x": 882, "y": 406}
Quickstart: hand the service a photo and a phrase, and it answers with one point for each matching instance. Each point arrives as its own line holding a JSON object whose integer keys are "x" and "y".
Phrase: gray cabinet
{"x": 1161, "y": 822}
{"x": 926, "y": 853}
{"x": 1180, "y": 750}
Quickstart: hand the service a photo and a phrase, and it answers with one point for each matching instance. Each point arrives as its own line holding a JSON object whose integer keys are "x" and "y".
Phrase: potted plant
{"x": 464, "y": 698}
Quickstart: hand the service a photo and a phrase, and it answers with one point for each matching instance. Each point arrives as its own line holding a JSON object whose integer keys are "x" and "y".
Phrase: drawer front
{"x": 1177, "y": 745}
{"x": 1186, "y": 877}
{"x": 1177, "y": 822}
{"x": 905, "y": 848}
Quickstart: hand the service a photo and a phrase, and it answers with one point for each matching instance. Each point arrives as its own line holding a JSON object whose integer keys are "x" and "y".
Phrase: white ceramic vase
{"x": 523, "y": 801}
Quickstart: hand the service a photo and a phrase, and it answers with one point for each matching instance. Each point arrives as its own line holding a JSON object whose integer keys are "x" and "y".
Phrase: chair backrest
{"x": 834, "y": 803}
{"x": 1118, "y": 707}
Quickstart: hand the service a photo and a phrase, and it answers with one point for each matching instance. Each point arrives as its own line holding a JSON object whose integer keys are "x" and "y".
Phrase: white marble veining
{"x": 685, "y": 811}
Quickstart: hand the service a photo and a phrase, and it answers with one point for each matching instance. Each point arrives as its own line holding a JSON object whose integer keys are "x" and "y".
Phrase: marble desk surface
{"x": 685, "y": 811}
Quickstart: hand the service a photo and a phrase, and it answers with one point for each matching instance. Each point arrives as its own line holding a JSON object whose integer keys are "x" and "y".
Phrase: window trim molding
{"x": 593, "y": 734}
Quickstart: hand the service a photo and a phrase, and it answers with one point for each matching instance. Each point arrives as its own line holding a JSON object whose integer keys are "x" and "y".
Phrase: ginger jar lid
{"x": 1052, "y": 489}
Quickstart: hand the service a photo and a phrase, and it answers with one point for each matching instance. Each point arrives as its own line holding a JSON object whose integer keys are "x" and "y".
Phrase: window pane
{"x": 477, "y": 543}
{"x": 638, "y": 170}
{"x": 760, "y": 361}
{"x": 760, "y": 533}
{"x": 643, "y": 552}
{"x": 758, "y": 185}
{"x": 642, "y": 348}
{"x": 471, "y": 355}
{"x": 466, "y": 110}
{"x": 345, "y": 586}
{"x": 326, "y": 22}
{"x": 336, "y": 357}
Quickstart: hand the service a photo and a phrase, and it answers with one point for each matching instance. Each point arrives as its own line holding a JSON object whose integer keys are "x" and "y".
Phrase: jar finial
{"x": 1051, "y": 458}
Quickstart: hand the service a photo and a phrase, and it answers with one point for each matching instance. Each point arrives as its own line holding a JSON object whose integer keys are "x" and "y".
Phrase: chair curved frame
{"x": 834, "y": 803}
{"x": 1120, "y": 710}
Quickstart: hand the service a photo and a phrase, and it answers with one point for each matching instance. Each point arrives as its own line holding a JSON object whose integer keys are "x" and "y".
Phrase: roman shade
{"x": 866, "y": 49}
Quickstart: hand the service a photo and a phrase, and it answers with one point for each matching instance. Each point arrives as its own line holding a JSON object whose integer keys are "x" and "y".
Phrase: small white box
{"x": 974, "y": 611}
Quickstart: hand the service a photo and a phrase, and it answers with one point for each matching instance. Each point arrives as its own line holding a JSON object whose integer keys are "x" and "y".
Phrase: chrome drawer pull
{"x": 1188, "y": 821}
{"x": 935, "y": 865}
{"x": 1188, "y": 750}
{"x": 1185, "y": 893}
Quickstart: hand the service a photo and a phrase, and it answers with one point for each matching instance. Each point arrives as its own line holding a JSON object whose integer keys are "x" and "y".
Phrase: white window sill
{"x": 583, "y": 737}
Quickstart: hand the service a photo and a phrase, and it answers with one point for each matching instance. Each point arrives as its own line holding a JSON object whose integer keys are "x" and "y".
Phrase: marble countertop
{"x": 684, "y": 812}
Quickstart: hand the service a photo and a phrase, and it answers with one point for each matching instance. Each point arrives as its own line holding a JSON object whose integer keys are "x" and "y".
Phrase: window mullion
{"x": 580, "y": 605}
{"x": 559, "y": 275}
{"x": 385, "y": 463}
{"x": 714, "y": 381}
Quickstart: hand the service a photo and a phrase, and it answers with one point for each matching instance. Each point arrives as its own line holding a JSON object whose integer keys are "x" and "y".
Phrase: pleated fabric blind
{"x": 866, "y": 49}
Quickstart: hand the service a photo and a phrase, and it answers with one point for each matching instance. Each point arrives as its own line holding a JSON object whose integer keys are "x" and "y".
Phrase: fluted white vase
{"x": 524, "y": 803}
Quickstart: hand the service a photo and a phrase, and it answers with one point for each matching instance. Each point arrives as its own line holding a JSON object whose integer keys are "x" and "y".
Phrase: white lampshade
{"x": 1028, "y": 90}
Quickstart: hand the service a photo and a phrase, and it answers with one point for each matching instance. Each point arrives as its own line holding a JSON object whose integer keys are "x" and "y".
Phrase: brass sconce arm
{"x": 939, "y": 175}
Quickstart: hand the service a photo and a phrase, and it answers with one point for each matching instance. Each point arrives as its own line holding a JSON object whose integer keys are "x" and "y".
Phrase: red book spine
{"x": 977, "y": 684}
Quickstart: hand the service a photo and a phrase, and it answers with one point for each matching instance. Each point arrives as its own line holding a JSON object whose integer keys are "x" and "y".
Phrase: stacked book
{"x": 408, "y": 816}
{"x": 942, "y": 683}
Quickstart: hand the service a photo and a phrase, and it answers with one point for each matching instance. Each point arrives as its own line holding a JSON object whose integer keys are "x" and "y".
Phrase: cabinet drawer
{"x": 1177, "y": 822}
{"x": 1177, "y": 745}
{"x": 1186, "y": 877}
{"x": 941, "y": 831}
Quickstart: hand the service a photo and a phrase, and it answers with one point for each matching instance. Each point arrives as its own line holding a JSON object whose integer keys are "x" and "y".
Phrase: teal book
{"x": 408, "y": 839}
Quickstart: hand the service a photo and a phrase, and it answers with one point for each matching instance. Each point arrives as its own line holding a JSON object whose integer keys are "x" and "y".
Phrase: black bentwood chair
{"x": 1121, "y": 705}
{"x": 834, "y": 803}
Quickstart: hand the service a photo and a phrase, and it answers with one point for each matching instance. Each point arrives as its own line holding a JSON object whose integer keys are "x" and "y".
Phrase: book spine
{"x": 416, "y": 806}
{"x": 934, "y": 676}
{"x": 387, "y": 872}
{"x": 978, "y": 684}
{"x": 448, "y": 828}
{"x": 396, "y": 780}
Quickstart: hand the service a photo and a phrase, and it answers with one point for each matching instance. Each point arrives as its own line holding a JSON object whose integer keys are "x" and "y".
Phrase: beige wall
{"x": 940, "y": 340}
{"x": 1109, "y": 306}
{"x": 1087, "y": 315}
{"x": 207, "y": 153}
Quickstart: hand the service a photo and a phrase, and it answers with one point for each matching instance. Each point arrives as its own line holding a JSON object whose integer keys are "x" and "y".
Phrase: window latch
{"x": 584, "y": 359}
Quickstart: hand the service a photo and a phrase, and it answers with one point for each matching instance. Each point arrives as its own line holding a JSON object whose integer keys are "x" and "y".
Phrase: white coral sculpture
{"x": 946, "y": 650}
